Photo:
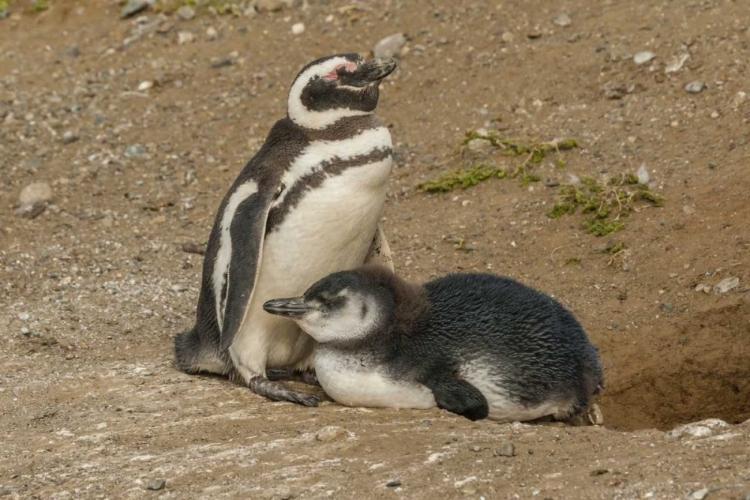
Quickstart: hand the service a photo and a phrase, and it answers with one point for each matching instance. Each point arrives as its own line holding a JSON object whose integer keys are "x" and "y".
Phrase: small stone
{"x": 263, "y": 6}
{"x": 642, "y": 174}
{"x": 479, "y": 146}
{"x": 156, "y": 484}
{"x": 37, "y": 192}
{"x": 24, "y": 316}
{"x": 185, "y": 13}
{"x": 221, "y": 63}
{"x": 507, "y": 37}
{"x": 133, "y": 7}
{"x": 69, "y": 137}
{"x": 145, "y": 85}
{"x": 298, "y": 28}
{"x": 73, "y": 51}
{"x": 676, "y": 63}
{"x": 179, "y": 288}
{"x": 393, "y": 483}
{"x": 700, "y": 494}
{"x": 135, "y": 151}
{"x": 563, "y": 20}
{"x": 184, "y": 37}
{"x": 389, "y": 46}
{"x": 673, "y": 275}
{"x": 726, "y": 285}
{"x": 714, "y": 114}
{"x": 599, "y": 472}
{"x": 211, "y": 33}
{"x": 666, "y": 307}
{"x": 475, "y": 448}
{"x": 738, "y": 99}
{"x": 701, "y": 429}
{"x": 507, "y": 449}
{"x": 330, "y": 432}
{"x": 643, "y": 57}
{"x": 425, "y": 423}
{"x": 695, "y": 87}
{"x": 688, "y": 210}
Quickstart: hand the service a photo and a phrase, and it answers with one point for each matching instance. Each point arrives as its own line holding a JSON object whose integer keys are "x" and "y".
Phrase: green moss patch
{"x": 606, "y": 205}
{"x": 463, "y": 178}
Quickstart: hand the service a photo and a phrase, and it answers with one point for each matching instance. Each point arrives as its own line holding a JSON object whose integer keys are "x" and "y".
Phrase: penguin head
{"x": 341, "y": 307}
{"x": 336, "y": 87}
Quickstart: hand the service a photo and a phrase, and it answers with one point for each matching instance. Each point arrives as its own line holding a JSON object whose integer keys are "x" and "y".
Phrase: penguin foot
{"x": 279, "y": 392}
{"x": 306, "y": 376}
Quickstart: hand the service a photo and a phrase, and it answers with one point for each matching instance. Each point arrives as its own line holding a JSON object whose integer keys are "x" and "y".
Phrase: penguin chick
{"x": 475, "y": 344}
{"x": 306, "y": 205}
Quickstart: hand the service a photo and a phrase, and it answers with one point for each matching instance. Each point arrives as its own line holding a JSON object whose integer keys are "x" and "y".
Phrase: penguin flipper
{"x": 247, "y": 229}
{"x": 458, "y": 396}
{"x": 380, "y": 251}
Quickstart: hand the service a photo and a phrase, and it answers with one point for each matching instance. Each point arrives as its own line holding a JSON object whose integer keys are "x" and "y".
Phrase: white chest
{"x": 351, "y": 383}
{"x": 329, "y": 229}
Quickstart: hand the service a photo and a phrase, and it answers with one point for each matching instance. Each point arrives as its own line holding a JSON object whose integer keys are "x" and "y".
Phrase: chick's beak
{"x": 291, "y": 308}
{"x": 372, "y": 71}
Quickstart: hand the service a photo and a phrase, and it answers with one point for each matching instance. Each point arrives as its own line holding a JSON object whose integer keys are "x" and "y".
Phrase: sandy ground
{"x": 94, "y": 288}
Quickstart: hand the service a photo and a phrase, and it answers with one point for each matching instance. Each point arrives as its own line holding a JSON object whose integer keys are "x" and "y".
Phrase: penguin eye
{"x": 334, "y": 74}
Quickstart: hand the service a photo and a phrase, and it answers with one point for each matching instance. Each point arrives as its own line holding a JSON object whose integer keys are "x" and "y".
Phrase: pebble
{"x": 135, "y": 151}
{"x": 133, "y": 7}
{"x": 24, "y": 316}
{"x": 738, "y": 99}
{"x": 179, "y": 288}
{"x": 714, "y": 114}
{"x": 562, "y": 20}
{"x": 666, "y": 306}
{"x": 726, "y": 285}
{"x": 330, "y": 432}
{"x": 69, "y": 137}
{"x": 699, "y": 494}
{"x": 185, "y": 13}
{"x": 211, "y": 33}
{"x": 73, "y": 51}
{"x": 393, "y": 483}
{"x": 37, "y": 192}
{"x": 475, "y": 448}
{"x": 507, "y": 449}
{"x": 479, "y": 146}
{"x": 643, "y": 57}
{"x": 695, "y": 87}
{"x": 676, "y": 63}
{"x": 389, "y": 46}
{"x": 298, "y": 28}
{"x": 701, "y": 429}
{"x": 688, "y": 210}
{"x": 184, "y": 37}
{"x": 642, "y": 174}
{"x": 156, "y": 484}
{"x": 145, "y": 85}
{"x": 702, "y": 287}
{"x": 272, "y": 5}
{"x": 507, "y": 37}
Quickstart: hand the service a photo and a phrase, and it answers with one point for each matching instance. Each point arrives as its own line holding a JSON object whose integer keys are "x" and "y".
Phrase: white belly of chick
{"x": 482, "y": 374}
{"x": 350, "y": 382}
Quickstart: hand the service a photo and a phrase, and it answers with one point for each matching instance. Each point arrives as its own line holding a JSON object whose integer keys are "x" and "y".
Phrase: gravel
{"x": 563, "y": 20}
{"x": 643, "y": 57}
{"x": 695, "y": 87}
{"x": 506, "y": 449}
{"x": 133, "y": 7}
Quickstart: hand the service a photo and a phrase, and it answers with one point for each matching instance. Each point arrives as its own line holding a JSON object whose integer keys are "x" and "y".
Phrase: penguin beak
{"x": 290, "y": 308}
{"x": 372, "y": 71}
